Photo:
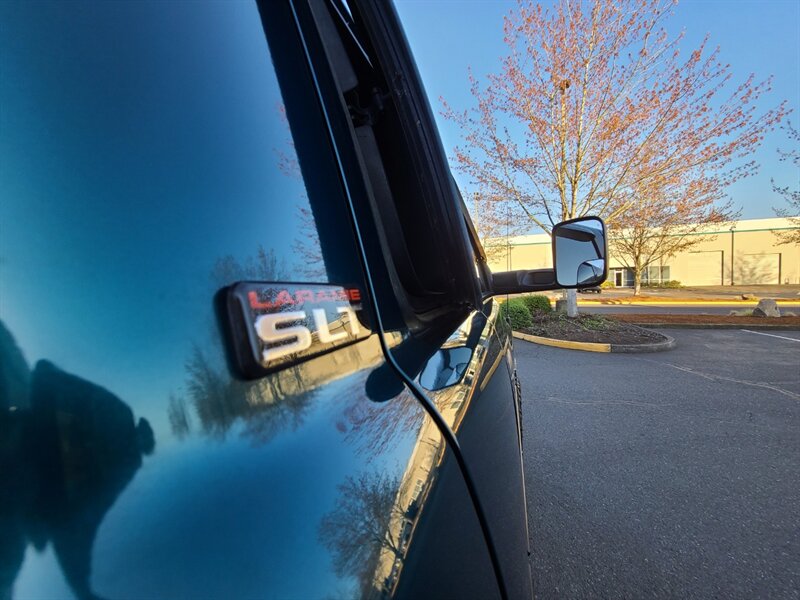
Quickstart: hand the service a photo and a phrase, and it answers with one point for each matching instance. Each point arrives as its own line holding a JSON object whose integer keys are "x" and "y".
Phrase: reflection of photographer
{"x": 67, "y": 450}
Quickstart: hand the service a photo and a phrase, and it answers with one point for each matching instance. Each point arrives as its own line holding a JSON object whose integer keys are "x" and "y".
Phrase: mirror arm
{"x": 519, "y": 282}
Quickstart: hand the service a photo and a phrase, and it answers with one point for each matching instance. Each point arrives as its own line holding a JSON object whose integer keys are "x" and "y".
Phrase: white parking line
{"x": 783, "y": 337}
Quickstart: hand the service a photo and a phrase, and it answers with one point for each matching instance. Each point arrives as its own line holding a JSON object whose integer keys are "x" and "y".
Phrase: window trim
{"x": 417, "y": 307}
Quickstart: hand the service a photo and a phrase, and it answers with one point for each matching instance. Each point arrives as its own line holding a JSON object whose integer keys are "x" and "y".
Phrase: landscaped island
{"x": 534, "y": 315}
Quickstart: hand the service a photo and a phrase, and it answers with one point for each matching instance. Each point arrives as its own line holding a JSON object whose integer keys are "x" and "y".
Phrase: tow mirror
{"x": 579, "y": 255}
{"x": 579, "y": 252}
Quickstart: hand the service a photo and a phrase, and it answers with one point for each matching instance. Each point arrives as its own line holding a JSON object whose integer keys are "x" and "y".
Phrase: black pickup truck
{"x": 249, "y": 343}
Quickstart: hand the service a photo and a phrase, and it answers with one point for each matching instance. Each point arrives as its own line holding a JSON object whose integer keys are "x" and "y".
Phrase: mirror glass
{"x": 580, "y": 252}
{"x": 445, "y": 368}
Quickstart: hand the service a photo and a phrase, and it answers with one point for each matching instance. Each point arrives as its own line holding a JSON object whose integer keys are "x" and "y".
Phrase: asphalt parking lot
{"x": 665, "y": 475}
{"x": 720, "y": 309}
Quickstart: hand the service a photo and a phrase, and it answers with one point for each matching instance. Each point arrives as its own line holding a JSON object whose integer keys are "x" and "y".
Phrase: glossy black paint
{"x": 135, "y": 462}
{"x": 243, "y": 508}
{"x": 410, "y": 355}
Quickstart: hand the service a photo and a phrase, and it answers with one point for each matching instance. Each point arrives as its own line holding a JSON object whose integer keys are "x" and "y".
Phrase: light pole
{"x": 733, "y": 231}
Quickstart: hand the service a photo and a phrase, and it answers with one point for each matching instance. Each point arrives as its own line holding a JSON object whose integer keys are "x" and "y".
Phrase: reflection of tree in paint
{"x": 306, "y": 245}
{"x": 273, "y": 402}
{"x": 264, "y": 266}
{"x": 308, "y": 248}
{"x": 266, "y": 406}
{"x": 216, "y": 400}
{"x": 370, "y": 528}
{"x": 374, "y": 429}
{"x": 179, "y": 419}
{"x": 362, "y": 525}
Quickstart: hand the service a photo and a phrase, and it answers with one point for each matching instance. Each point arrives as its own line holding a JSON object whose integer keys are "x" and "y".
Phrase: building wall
{"x": 750, "y": 255}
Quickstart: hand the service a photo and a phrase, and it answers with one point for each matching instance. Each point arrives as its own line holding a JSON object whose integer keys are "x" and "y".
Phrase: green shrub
{"x": 516, "y": 313}
{"x": 537, "y": 304}
{"x": 671, "y": 284}
{"x": 608, "y": 283}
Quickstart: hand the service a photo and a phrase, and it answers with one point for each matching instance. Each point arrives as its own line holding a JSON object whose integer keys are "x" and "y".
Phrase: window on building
{"x": 629, "y": 277}
{"x": 655, "y": 274}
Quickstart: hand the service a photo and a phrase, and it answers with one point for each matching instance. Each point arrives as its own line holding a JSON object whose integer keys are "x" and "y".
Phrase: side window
{"x": 477, "y": 252}
{"x": 150, "y": 157}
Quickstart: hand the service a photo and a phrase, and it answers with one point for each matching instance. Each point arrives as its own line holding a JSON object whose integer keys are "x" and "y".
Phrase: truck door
{"x": 194, "y": 401}
{"x": 426, "y": 269}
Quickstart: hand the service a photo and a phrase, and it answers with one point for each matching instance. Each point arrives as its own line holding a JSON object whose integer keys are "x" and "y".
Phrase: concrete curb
{"x": 667, "y": 344}
{"x": 545, "y": 341}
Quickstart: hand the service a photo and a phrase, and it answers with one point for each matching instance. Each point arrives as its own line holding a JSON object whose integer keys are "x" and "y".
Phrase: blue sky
{"x": 761, "y": 37}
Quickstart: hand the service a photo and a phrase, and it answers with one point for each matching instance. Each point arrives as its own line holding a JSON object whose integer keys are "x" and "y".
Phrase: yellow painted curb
{"x": 745, "y": 303}
{"x": 586, "y": 346}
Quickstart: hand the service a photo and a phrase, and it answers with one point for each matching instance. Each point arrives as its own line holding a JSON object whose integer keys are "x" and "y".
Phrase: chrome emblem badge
{"x": 274, "y": 325}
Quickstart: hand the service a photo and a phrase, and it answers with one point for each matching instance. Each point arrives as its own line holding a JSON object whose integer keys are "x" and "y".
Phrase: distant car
{"x": 591, "y": 290}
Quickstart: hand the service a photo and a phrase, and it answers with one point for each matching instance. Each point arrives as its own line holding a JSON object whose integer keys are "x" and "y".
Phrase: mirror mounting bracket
{"x": 516, "y": 282}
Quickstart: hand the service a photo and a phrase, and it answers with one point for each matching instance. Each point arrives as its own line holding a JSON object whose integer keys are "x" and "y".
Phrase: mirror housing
{"x": 580, "y": 252}
{"x": 580, "y": 256}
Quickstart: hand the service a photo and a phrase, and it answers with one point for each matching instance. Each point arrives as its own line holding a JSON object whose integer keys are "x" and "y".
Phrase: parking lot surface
{"x": 661, "y": 309}
{"x": 665, "y": 475}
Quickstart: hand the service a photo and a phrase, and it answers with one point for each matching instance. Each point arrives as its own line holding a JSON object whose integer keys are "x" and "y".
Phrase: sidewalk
{"x": 786, "y": 295}
{"x": 660, "y": 301}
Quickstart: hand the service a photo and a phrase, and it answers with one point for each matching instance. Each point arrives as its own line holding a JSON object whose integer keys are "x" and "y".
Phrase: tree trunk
{"x": 637, "y": 282}
{"x": 572, "y": 302}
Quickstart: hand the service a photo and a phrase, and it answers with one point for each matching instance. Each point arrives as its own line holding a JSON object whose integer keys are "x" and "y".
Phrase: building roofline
{"x": 545, "y": 237}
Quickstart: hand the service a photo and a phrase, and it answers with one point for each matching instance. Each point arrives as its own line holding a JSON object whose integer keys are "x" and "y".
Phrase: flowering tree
{"x": 671, "y": 217}
{"x": 594, "y": 103}
{"x": 496, "y": 221}
{"x": 792, "y": 197}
